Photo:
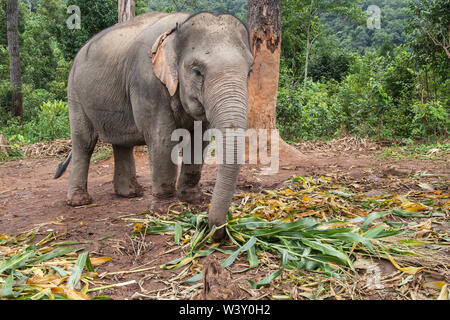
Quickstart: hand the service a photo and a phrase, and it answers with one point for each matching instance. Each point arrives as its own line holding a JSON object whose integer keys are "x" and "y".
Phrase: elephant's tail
{"x": 62, "y": 166}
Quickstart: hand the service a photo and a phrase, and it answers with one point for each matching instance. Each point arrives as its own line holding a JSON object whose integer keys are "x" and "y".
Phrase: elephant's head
{"x": 208, "y": 60}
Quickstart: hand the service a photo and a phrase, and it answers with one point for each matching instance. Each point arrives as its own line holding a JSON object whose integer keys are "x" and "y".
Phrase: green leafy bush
{"x": 5, "y": 100}
{"x": 430, "y": 119}
{"x": 306, "y": 110}
{"x": 57, "y": 108}
{"x": 378, "y": 98}
{"x": 33, "y": 99}
{"x": 51, "y": 122}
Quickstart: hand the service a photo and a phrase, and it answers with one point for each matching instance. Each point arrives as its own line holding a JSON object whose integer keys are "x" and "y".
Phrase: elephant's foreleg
{"x": 84, "y": 139}
{"x": 190, "y": 175}
{"x": 164, "y": 171}
{"x": 125, "y": 182}
{"x": 188, "y": 189}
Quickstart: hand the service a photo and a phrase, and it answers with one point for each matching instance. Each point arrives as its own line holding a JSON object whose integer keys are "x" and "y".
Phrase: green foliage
{"x": 14, "y": 142}
{"x": 43, "y": 60}
{"x": 141, "y": 6}
{"x": 95, "y": 17}
{"x": 5, "y": 100}
{"x": 356, "y": 36}
{"x": 378, "y": 98}
{"x": 329, "y": 62}
{"x": 44, "y": 68}
{"x": 3, "y": 34}
{"x": 51, "y": 122}
{"x": 305, "y": 110}
{"x": 428, "y": 26}
{"x": 388, "y": 83}
{"x": 411, "y": 150}
{"x": 399, "y": 77}
{"x": 362, "y": 97}
{"x": 33, "y": 99}
{"x": 430, "y": 119}
{"x": 303, "y": 28}
{"x": 235, "y": 7}
{"x": 56, "y": 108}
{"x": 102, "y": 154}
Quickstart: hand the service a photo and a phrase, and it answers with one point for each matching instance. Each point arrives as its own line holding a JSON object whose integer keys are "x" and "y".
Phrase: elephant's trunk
{"x": 227, "y": 108}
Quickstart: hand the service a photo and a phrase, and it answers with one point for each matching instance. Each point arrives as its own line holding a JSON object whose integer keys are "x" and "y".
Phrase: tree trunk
{"x": 308, "y": 50}
{"x": 264, "y": 21}
{"x": 12, "y": 14}
{"x": 126, "y": 10}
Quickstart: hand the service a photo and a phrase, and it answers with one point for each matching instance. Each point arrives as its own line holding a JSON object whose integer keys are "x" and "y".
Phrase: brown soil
{"x": 31, "y": 199}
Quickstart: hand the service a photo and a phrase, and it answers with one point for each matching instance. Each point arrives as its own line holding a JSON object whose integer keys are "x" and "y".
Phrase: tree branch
{"x": 437, "y": 42}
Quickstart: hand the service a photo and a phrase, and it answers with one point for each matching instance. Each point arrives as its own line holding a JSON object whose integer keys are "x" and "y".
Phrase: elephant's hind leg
{"x": 125, "y": 183}
{"x": 84, "y": 139}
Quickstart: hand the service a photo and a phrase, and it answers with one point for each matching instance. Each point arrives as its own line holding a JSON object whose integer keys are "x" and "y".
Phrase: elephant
{"x": 138, "y": 81}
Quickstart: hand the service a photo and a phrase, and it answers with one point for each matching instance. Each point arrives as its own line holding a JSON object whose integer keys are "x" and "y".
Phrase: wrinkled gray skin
{"x": 200, "y": 71}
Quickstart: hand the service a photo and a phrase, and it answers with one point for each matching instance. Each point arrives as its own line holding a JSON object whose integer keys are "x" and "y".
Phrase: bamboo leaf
{"x": 408, "y": 270}
{"x": 96, "y": 261}
{"x": 60, "y": 271}
{"x": 266, "y": 281}
{"x": 17, "y": 261}
{"x": 66, "y": 243}
{"x": 53, "y": 254}
{"x": 178, "y": 263}
{"x": 443, "y": 295}
{"x": 379, "y": 232}
{"x": 197, "y": 238}
{"x": 328, "y": 250}
{"x": 7, "y": 290}
{"x": 178, "y": 233}
{"x": 252, "y": 257}
{"x": 77, "y": 271}
{"x": 434, "y": 284}
{"x": 353, "y": 238}
{"x": 373, "y": 216}
{"x": 197, "y": 277}
{"x": 229, "y": 261}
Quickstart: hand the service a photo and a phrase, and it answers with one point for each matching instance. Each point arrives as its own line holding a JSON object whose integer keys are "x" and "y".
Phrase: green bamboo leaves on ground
{"x": 35, "y": 271}
{"x": 314, "y": 224}
{"x": 77, "y": 270}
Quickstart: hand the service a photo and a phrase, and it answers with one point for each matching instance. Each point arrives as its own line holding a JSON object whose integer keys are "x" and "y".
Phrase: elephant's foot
{"x": 130, "y": 189}
{"x": 192, "y": 195}
{"x": 219, "y": 235}
{"x": 79, "y": 198}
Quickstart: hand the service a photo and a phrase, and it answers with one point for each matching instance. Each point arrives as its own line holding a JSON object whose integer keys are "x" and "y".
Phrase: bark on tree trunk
{"x": 308, "y": 49}
{"x": 126, "y": 10}
{"x": 12, "y": 14}
{"x": 264, "y": 21}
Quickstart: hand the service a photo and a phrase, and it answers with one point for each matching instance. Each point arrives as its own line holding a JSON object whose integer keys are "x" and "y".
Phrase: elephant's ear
{"x": 164, "y": 61}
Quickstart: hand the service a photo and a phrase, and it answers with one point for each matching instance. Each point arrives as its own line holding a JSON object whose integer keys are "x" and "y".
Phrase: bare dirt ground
{"x": 31, "y": 200}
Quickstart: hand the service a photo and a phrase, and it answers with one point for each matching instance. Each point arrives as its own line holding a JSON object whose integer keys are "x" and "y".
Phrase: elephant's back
{"x": 113, "y": 41}
{"x": 108, "y": 50}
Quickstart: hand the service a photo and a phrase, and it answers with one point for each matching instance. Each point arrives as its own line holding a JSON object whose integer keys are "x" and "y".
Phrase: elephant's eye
{"x": 249, "y": 73}
{"x": 197, "y": 72}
